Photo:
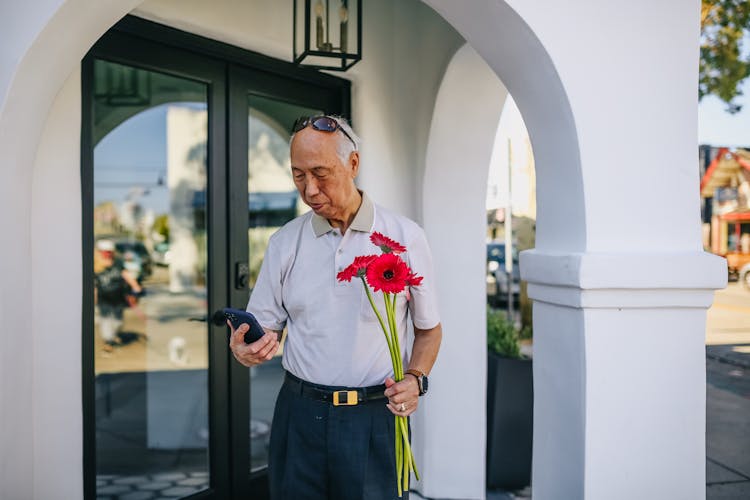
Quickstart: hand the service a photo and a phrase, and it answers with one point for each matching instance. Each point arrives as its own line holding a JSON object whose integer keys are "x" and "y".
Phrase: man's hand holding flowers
{"x": 404, "y": 393}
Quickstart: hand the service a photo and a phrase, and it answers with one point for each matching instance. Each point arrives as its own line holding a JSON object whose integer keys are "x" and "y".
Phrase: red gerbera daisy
{"x": 412, "y": 279}
{"x": 386, "y": 244}
{"x": 387, "y": 273}
{"x": 357, "y": 268}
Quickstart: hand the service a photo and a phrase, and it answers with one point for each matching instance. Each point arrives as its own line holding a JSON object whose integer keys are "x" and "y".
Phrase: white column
{"x": 619, "y": 373}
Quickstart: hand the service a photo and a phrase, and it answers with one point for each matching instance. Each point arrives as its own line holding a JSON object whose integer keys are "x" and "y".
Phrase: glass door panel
{"x": 150, "y": 133}
{"x": 272, "y": 202}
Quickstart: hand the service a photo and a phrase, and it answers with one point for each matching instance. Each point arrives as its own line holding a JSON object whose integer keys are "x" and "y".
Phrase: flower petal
{"x": 386, "y": 244}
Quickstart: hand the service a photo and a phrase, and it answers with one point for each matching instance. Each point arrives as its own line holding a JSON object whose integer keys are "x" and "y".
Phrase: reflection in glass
{"x": 151, "y": 363}
{"x": 272, "y": 202}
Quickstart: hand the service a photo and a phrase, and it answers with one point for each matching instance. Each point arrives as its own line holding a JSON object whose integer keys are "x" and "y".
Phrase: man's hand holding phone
{"x": 254, "y": 353}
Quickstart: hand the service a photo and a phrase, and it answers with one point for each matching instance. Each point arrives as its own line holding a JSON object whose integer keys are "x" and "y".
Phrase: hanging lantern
{"x": 327, "y": 33}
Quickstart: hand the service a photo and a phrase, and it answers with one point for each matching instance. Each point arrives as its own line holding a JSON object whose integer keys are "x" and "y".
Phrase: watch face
{"x": 425, "y": 384}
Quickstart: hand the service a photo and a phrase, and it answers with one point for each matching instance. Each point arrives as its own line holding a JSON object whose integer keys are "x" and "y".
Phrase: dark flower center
{"x": 388, "y": 274}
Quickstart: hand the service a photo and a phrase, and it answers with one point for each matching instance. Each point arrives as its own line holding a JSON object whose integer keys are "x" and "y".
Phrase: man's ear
{"x": 354, "y": 163}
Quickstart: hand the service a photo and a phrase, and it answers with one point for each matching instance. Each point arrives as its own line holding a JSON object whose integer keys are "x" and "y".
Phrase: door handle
{"x": 241, "y": 275}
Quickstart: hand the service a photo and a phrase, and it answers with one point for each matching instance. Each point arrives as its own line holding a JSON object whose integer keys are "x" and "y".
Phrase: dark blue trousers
{"x": 323, "y": 452}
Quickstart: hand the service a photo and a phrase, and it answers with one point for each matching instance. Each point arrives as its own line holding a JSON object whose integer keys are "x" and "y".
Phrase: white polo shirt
{"x": 333, "y": 335}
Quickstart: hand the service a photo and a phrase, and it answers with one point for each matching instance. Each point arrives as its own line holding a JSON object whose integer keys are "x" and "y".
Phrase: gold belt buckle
{"x": 345, "y": 398}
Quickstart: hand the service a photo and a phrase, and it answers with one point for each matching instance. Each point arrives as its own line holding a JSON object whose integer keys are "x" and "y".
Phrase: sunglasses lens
{"x": 320, "y": 123}
{"x": 325, "y": 124}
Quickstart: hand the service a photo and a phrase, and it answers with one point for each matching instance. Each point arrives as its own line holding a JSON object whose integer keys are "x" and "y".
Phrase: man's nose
{"x": 311, "y": 187}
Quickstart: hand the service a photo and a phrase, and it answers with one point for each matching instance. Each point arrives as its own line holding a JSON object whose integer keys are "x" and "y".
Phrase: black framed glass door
{"x": 185, "y": 175}
{"x": 262, "y": 110}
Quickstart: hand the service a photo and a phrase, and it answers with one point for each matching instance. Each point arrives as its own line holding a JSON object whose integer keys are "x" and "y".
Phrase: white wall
{"x": 605, "y": 163}
{"x": 56, "y": 304}
{"x": 394, "y": 91}
{"x": 42, "y": 44}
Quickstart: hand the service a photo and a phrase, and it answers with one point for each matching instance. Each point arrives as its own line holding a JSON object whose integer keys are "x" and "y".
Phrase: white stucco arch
{"x": 456, "y": 169}
{"x": 462, "y": 135}
{"x": 604, "y": 281}
{"x": 598, "y": 287}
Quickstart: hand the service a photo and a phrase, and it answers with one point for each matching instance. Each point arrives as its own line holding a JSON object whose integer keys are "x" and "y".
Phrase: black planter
{"x": 510, "y": 413}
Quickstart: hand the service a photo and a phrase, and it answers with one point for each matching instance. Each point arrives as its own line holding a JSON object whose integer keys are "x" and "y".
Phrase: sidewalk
{"x": 727, "y": 423}
{"x": 728, "y": 395}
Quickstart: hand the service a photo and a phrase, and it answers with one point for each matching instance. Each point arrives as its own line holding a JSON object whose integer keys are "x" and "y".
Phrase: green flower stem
{"x": 407, "y": 452}
{"x": 395, "y": 349}
{"x": 399, "y": 458}
{"x": 394, "y": 359}
{"x": 404, "y": 457}
{"x": 390, "y": 307}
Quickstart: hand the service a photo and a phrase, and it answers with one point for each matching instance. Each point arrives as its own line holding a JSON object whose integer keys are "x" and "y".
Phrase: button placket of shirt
{"x": 341, "y": 258}
{"x": 338, "y": 262}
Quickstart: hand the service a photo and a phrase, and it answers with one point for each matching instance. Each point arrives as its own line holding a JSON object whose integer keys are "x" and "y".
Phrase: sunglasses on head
{"x": 322, "y": 123}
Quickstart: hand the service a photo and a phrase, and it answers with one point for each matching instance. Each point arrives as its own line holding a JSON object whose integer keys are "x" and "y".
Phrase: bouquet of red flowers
{"x": 388, "y": 273}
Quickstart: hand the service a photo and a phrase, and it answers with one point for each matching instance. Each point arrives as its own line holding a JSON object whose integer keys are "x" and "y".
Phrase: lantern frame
{"x": 340, "y": 61}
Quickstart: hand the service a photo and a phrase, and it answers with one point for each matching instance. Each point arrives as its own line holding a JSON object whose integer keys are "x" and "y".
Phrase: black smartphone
{"x": 237, "y": 317}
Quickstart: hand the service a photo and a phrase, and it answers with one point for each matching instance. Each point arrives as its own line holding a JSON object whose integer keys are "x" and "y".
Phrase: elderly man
{"x": 318, "y": 449}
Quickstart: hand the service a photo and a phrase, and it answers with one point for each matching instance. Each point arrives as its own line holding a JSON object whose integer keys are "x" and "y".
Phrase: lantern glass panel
{"x": 327, "y": 33}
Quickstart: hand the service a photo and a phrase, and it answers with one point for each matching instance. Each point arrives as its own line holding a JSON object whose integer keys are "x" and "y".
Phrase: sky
{"x": 119, "y": 165}
{"x": 510, "y": 128}
{"x": 716, "y": 127}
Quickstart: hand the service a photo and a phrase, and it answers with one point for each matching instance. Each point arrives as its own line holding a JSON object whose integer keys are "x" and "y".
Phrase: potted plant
{"x": 510, "y": 405}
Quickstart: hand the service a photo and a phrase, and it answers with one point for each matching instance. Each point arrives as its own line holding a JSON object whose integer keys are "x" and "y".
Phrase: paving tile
{"x": 728, "y": 428}
{"x": 169, "y": 476}
{"x": 178, "y": 491}
{"x": 113, "y": 490}
{"x": 728, "y": 491}
{"x": 137, "y": 495}
{"x": 717, "y": 473}
{"x": 131, "y": 480}
{"x": 154, "y": 486}
{"x": 193, "y": 481}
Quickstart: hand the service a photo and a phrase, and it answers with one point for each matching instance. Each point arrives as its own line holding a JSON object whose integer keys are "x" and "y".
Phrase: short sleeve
{"x": 423, "y": 305}
{"x": 266, "y": 302}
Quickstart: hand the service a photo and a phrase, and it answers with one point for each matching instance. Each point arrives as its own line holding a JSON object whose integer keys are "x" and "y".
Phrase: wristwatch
{"x": 421, "y": 380}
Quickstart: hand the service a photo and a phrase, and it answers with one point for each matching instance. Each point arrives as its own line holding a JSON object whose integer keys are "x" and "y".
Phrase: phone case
{"x": 237, "y": 317}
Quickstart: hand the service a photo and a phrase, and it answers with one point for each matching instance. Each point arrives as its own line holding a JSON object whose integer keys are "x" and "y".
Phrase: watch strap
{"x": 420, "y": 379}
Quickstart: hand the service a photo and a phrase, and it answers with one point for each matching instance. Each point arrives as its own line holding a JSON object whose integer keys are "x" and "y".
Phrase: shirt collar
{"x": 363, "y": 221}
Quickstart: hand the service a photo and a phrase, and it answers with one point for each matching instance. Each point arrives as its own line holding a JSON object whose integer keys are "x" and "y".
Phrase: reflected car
{"x": 497, "y": 278}
{"x": 744, "y": 276}
{"x": 161, "y": 255}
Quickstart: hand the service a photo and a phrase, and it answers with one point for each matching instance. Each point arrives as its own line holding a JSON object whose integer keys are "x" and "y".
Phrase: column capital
{"x": 623, "y": 280}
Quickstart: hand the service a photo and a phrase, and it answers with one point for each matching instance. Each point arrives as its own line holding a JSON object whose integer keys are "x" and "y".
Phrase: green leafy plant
{"x": 724, "y": 62}
{"x": 502, "y": 336}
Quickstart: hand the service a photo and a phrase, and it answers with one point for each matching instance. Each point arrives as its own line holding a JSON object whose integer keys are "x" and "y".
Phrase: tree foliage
{"x": 723, "y": 65}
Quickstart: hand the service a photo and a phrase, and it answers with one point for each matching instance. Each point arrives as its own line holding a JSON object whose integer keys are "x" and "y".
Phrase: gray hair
{"x": 344, "y": 147}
